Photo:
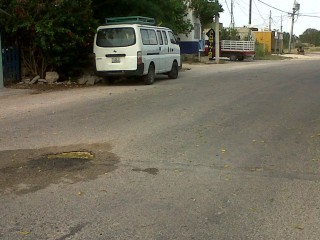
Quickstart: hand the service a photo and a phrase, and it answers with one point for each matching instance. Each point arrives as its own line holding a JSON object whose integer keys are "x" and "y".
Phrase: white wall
{"x": 192, "y": 36}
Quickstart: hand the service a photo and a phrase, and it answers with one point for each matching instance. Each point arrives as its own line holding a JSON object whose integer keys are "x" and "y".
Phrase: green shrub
{"x": 261, "y": 51}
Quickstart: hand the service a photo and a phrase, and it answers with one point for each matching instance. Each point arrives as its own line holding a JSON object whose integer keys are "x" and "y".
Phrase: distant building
{"x": 245, "y": 33}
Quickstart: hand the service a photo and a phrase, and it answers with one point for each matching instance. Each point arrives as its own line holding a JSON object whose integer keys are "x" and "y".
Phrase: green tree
{"x": 229, "y": 34}
{"x": 205, "y": 10}
{"x": 169, "y": 13}
{"x": 311, "y": 36}
{"x": 51, "y": 34}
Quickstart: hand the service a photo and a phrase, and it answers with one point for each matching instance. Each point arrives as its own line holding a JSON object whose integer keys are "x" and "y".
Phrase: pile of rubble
{"x": 53, "y": 77}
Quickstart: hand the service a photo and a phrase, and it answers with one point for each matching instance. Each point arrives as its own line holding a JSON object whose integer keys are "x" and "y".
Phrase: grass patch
{"x": 312, "y": 49}
{"x": 262, "y": 53}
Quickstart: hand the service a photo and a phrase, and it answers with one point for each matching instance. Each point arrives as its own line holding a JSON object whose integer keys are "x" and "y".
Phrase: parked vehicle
{"x": 235, "y": 50}
{"x": 134, "y": 46}
{"x": 300, "y": 50}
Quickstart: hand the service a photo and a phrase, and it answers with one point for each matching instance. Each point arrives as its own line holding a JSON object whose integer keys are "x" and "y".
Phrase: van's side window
{"x": 165, "y": 37}
{"x": 152, "y": 37}
{"x": 149, "y": 37}
{"x": 160, "y": 38}
{"x": 145, "y": 37}
{"x": 172, "y": 38}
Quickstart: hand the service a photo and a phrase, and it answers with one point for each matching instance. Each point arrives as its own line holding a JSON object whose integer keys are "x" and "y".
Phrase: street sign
{"x": 211, "y": 35}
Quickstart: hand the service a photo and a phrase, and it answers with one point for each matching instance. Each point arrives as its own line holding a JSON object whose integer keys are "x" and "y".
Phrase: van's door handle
{"x": 168, "y": 49}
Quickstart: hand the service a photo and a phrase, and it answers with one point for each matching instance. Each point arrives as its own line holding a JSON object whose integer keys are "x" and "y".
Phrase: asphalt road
{"x": 228, "y": 151}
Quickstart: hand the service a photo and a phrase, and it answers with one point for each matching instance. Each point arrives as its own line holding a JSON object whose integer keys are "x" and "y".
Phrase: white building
{"x": 190, "y": 44}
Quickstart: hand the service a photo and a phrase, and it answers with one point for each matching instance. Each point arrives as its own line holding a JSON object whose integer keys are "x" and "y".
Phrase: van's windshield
{"x": 116, "y": 37}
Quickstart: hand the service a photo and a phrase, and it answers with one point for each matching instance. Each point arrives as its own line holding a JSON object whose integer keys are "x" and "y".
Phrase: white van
{"x": 133, "y": 46}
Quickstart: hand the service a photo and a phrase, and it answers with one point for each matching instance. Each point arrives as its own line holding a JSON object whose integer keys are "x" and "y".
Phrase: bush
{"x": 52, "y": 35}
{"x": 260, "y": 51}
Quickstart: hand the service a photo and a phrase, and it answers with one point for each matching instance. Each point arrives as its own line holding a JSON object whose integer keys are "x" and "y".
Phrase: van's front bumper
{"x": 121, "y": 73}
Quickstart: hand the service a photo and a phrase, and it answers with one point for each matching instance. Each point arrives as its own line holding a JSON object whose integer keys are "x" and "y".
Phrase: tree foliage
{"x": 229, "y": 34}
{"x": 169, "y": 13}
{"x": 311, "y": 36}
{"x": 205, "y": 10}
{"x": 49, "y": 33}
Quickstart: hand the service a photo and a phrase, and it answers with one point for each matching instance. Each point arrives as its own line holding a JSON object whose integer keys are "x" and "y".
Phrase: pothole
{"x": 38, "y": 168}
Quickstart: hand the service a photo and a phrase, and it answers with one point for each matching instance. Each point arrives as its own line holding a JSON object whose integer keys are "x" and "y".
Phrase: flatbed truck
{"x": 235, "y": 50}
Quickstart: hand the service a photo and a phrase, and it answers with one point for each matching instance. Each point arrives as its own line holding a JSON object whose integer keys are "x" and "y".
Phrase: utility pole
{"x": 281, "y": 36}
{"x": 270, "y": 20}
{"x": 232, "y": 16}
{"x": 217, "y": 39}
{"x": 250, "y": 12}
{"x": 296, "y": 8}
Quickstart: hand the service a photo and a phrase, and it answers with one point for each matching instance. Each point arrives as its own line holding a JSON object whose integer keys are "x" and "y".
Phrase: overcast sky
{"x": 261, "y": 13}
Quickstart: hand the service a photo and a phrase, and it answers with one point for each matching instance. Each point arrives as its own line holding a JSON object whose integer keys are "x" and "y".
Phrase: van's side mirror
{"x": 178, "y": 40}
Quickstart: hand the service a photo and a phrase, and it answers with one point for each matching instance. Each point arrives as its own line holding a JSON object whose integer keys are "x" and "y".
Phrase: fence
{"x": 11, "y": 65}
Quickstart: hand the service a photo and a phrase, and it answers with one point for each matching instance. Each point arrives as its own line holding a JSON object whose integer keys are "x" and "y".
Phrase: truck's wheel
{"x": 149, "y": 78}
{"x": 173, "y": 74}
{"x": 233, "y": 58}
{"x": 241, "y": 58}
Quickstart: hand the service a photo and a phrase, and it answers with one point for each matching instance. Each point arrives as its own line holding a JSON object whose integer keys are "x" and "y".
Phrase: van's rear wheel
{"x": 173, "y": 74}
{"x": 149, "y": 78}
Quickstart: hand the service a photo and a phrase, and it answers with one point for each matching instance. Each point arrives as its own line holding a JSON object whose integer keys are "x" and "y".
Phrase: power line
{"x": 228, "y": 7}
{"x": 273, "y": 7}
{"x": 241, "y": 8}
{"x": 313, "y": 13}
{"x": 259, "y": 11}
{"x": 306, "y": 15}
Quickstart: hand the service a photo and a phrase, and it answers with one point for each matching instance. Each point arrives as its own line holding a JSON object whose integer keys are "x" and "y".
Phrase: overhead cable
{"x": 273, "y": 7}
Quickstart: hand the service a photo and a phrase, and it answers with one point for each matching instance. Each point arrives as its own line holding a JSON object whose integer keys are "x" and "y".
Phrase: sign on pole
{"x": 211, "y": 35}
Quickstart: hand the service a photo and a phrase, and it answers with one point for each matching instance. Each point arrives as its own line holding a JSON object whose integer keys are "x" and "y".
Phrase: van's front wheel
{"x": 149, "y": 78}
{"x": 173, "y": 74}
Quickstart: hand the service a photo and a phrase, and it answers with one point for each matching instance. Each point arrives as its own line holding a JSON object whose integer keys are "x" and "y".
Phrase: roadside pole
{"x": 217, "y": 38}
{"x": 1, "y": 67}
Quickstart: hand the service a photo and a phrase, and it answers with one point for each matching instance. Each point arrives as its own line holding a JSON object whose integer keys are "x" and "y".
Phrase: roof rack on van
{"x": 132, "y": 20}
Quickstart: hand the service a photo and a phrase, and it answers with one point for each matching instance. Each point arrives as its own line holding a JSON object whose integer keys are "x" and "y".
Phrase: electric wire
{"x": 273, "y": 7}
{"x": 241, "y": 8}
{"x": 228, "y": 7}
